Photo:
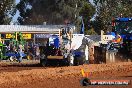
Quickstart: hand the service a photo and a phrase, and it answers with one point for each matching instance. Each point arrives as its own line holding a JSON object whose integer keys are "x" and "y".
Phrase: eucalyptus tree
{"x": 7, "y": 11}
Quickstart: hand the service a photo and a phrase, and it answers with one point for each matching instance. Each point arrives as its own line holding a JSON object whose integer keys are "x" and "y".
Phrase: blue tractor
{"x": 123, "y": 27}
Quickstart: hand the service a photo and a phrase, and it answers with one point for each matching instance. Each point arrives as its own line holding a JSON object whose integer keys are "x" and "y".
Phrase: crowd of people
{"x": 20, "y": 52}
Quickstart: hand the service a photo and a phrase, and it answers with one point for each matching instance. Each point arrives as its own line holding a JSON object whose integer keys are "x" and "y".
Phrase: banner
{"x": 25, "y": 36}
{"x": 9, "y": 36}
{"x": 42, "y": 35}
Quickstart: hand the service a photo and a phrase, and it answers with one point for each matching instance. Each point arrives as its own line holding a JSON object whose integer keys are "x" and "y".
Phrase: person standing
{"x": 20, "y": 51}
{"x": 37, "y": 52}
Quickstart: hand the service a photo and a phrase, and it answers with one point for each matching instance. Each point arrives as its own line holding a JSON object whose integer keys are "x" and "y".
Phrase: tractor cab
{"x": 123, "y": 27}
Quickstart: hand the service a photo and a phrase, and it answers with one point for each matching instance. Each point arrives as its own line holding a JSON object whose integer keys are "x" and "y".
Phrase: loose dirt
{"x": 29, "y": 74}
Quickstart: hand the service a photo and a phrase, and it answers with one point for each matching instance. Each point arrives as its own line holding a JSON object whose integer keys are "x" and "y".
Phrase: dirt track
{"x": 27, "y": 75}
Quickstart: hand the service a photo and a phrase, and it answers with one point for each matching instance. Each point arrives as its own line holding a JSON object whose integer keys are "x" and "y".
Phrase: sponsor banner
{"x": 25, "y": 36}
{"x": 9, "y": 35}
{"x": 42, "y": 35}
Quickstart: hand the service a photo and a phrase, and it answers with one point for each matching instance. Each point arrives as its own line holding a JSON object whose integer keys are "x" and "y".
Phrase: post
{"x": 86, "y": 53}
{"x": 34, "y": 40}
{"x": 70, "y": 38}
{"x": 0, "y": 39}
{"x": 102, "y": 33}
{"x": 60, "y": 36}
{"x": 16, "y": 36}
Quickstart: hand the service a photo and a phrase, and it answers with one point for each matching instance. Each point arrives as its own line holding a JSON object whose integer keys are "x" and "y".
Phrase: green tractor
{"x": 14, "y": 43}
{"x": 17, "y": 39}
{"x": 3, "y": 51}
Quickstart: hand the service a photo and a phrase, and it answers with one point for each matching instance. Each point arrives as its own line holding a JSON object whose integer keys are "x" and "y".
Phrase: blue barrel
{"x": 12, "y": 54}
{"x": 56, "y": 43}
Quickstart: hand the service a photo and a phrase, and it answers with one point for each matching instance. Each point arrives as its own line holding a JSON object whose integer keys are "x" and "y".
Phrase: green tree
{"x": 91, "y": 32}
{"x": 7, "y": 11}
{"x": 98, "y": 24}
{"x": 25, "y": 11}
{"x": 87, "y": 12}
{"x": 106, "y": 9}
{"x": 53, "y": 11}
{"x": 50, "y": 11}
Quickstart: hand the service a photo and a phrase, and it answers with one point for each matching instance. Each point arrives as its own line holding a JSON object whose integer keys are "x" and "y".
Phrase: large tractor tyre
{"x": 81, "y": 60}
{"x": 60, "y": 63}
{"x": 65, "y": 62}
{"x": 85, "y": 82}
{"x": 68, "y": 61}
{"x": 43, "y": 62}
{"x": 76, "y": 61}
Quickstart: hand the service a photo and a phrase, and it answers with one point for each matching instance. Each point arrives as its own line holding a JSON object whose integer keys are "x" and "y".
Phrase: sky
{"x": 91, "y": 2}
{"x": 17, "y": 1}
{"x": 17, "y": 13}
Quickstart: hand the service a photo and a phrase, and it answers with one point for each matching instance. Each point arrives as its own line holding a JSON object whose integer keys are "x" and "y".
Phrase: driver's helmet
{"x": 118, "y": 38}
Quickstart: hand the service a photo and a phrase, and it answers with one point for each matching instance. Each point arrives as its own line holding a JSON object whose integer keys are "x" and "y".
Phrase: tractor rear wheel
{"x": 43, "y": 62}
{"x": 76, "y": 61}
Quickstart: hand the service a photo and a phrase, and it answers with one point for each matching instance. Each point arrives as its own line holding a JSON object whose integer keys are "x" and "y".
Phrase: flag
{"x": 82, "y": 28}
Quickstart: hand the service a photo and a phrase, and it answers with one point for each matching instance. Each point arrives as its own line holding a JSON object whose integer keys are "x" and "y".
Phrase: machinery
{"x": 120, "y": 27}
{"x": 17, "y": 39}
{"x": 123, "y": 27}
{"x": 14, "y": 45}
{"x": 55, "y": 51}
{"x": 63, "y": 49}
{"x": 2, "y": 51}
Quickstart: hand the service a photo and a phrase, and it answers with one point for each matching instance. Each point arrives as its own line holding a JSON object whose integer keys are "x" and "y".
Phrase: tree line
{"x": 36, "y": 12}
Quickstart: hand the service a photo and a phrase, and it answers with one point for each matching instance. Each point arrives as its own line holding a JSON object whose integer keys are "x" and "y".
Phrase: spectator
{"x": 20, "y": 51}
{"x": 37, "y": 52}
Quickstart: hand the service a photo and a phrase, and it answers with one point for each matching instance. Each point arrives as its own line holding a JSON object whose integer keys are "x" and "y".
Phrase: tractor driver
{"x": 117, "y": 39}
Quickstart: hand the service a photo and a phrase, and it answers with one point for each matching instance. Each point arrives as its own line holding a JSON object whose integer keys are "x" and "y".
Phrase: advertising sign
{"x": 25, "y": 36}
{"x": 9, "y": 36}
{"x": 42, "y": 35}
